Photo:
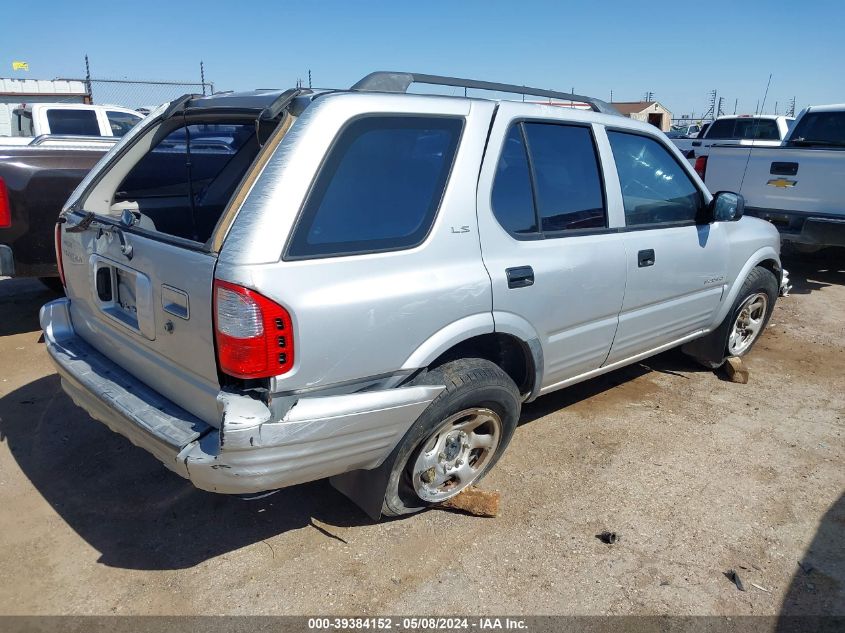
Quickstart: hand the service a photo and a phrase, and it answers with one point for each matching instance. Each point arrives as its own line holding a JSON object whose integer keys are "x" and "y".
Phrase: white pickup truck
{"x": 33, "y": 120}
{"x": 761, "y": 130}
{"x": 797, "y": 186}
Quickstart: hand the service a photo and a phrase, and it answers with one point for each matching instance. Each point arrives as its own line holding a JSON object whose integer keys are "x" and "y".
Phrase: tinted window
{"x": 744, "y": 129}
{"x": 80, "y": 122}
{"x": 820, "y": 127}
{"x": 121, "y": 122}
{"x": 566, "y": 176}
{"x": 655, "y": 189}
{"x": 380, "y": 187}
{"x": 757, "y": 129}
{"x": 162, "y": 182}
{"x": 512, "y": 201}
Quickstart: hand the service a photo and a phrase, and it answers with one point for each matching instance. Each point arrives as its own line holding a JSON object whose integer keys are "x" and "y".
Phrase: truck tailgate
{"x": 780, "y": 178}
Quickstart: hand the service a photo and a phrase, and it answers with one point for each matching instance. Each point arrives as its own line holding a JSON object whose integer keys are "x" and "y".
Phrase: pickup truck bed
{"x": 37, "y": 180}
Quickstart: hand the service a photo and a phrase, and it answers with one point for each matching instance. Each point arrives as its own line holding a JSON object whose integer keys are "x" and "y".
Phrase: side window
{"x": 559, "y": 189}
{"x": 380, "y": 187}
{"x": 655, "y": 188}
{"x": 80, "y": 122}
{"x": 121, "y": 122}
{"x": 512, "y": 199}
{"x": 568, "y": 187}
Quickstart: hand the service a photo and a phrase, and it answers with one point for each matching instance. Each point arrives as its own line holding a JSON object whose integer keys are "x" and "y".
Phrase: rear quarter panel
{"x": 365, "y": 315}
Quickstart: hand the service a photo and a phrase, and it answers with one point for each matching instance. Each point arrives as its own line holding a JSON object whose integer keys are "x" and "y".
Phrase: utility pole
{"x": 711, "y": 112}
{"x": 776, "y": 107}
{"x": 791, "y": 110}
{"x": 736, "y": 102}
{"x": 719, "y": 110}
{"x": 202, "y": 77}
{"x": 309, "y": 77}
{"x": 648, "y": 96}
{"x": 88, "y": 80}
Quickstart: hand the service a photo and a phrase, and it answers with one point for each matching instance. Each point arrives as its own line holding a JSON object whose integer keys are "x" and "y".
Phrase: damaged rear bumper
{"x": 318, "y": 437}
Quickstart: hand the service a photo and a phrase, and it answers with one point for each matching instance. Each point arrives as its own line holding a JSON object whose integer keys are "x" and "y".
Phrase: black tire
{"x": 470, "y": 382}
{"x": 54, "y": 284}
{"x": 759, "y": 280}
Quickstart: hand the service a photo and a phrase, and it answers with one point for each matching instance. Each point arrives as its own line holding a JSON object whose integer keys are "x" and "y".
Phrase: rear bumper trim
{"x": 318, "y": 437}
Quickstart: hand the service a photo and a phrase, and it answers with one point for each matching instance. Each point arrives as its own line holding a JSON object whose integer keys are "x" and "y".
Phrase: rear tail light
{"x": 254, "y": 334}
{"x": 701, "y": 166}
{"x": 5, "y": 210}
{"x": 58, "y": 244}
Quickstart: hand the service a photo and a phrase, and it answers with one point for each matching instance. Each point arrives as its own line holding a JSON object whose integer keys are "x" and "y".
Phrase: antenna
{"x": 756, "y": 125}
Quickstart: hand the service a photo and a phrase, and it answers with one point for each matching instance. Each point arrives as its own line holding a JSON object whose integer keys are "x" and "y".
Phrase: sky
{"x": 679, "y": 51}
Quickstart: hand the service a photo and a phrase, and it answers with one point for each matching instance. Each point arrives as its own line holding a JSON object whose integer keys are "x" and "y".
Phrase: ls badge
{"x": 460, "y": 229}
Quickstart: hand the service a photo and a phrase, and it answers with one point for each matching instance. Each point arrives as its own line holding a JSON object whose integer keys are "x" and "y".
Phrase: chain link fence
{"x": 140, "y": 94}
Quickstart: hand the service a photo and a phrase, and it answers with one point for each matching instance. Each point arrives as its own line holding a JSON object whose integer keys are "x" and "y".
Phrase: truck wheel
{"x": 457, "y": 439}
{"x": 751, "y": 311}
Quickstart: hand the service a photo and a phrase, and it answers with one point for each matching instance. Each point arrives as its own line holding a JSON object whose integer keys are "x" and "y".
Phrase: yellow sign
{"x": 782, "y": 183}
{"x": 20, "y": 66}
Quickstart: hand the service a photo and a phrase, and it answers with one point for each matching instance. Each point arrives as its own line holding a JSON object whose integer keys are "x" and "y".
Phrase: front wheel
{"x": 457, "y": 439}
{"x": 751, "y": 312}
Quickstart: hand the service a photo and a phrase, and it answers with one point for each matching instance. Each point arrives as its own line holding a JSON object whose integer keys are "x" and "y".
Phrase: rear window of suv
{"x": 380, "y": 187}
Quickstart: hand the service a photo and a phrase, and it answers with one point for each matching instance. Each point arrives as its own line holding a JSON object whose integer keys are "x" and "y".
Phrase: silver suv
{"x": 269, "y": 288}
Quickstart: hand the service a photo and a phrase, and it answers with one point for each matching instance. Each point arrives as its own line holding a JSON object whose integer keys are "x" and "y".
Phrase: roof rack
{"x": 389, "y": 81}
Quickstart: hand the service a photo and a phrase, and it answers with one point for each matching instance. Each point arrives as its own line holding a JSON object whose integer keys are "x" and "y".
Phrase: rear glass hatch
{"x": 139, "y": 245}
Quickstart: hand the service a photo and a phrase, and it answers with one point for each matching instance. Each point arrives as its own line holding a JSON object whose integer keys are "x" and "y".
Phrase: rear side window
{"x": 655, "y": 188}
{"x": 548, "y": 178}
{"x": 512, "y": 199}
{"x": 379, "y": 188}
{"x": 568, "y": 188}
{"x": 121, "y": 122}
{"x": 80, "y": 122}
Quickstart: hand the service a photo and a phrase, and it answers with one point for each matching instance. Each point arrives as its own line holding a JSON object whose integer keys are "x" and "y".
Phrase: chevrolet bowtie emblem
{"x": 782, "y": 183}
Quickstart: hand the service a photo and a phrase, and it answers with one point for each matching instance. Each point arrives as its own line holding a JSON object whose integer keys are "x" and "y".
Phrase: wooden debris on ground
{"x": 736, "y": 370}
{"x": 480, "y": 503}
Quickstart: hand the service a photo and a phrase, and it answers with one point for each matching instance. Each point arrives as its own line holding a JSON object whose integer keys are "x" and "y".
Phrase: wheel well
{"x": 773, "y": 267}
{"x": 511, "y": 354}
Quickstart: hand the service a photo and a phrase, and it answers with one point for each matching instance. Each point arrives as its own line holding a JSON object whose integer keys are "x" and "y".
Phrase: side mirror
{"x": 727, "y": 206}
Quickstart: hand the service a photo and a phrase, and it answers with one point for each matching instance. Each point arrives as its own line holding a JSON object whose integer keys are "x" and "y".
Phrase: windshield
{"x": 820, "y": 127}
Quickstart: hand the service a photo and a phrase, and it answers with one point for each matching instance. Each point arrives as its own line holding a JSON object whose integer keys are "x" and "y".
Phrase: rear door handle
{"x": 645, "y": 258}
{"x": 520, "y": 277}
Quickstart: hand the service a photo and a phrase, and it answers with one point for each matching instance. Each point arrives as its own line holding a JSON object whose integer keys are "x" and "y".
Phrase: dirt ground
{"x": 698, "y": 475}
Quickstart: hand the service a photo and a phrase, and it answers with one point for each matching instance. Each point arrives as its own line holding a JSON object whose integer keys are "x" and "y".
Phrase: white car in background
{"x": 762, "y": 130}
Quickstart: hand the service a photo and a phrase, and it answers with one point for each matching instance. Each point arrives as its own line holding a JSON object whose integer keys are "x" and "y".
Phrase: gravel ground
{"x": 698, "y": 475}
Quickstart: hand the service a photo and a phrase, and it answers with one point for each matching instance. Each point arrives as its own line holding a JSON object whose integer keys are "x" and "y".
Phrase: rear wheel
{"x": 457, "y": 439}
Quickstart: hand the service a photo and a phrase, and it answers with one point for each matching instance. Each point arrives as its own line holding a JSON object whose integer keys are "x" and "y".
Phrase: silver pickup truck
{"x": 269, "y": 288}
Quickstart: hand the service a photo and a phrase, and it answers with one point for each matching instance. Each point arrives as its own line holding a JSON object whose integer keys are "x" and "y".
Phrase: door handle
{"x": 520, "y": 277}
{"x": 645, "y": 258}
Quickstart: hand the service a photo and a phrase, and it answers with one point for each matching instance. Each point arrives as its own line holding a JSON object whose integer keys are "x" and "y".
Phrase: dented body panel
{"x": 318, "y": 437}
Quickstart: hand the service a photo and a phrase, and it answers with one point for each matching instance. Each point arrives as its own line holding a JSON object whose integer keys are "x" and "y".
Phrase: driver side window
{"x": 655, "y": 188}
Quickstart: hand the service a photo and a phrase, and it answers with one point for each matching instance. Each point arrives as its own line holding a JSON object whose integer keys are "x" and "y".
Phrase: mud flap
{"x": 365, "y": 488}
{"x": 709, "y": 350}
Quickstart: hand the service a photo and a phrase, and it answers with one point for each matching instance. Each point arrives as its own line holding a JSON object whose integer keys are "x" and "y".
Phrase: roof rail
{"x": 389, "y": 81}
